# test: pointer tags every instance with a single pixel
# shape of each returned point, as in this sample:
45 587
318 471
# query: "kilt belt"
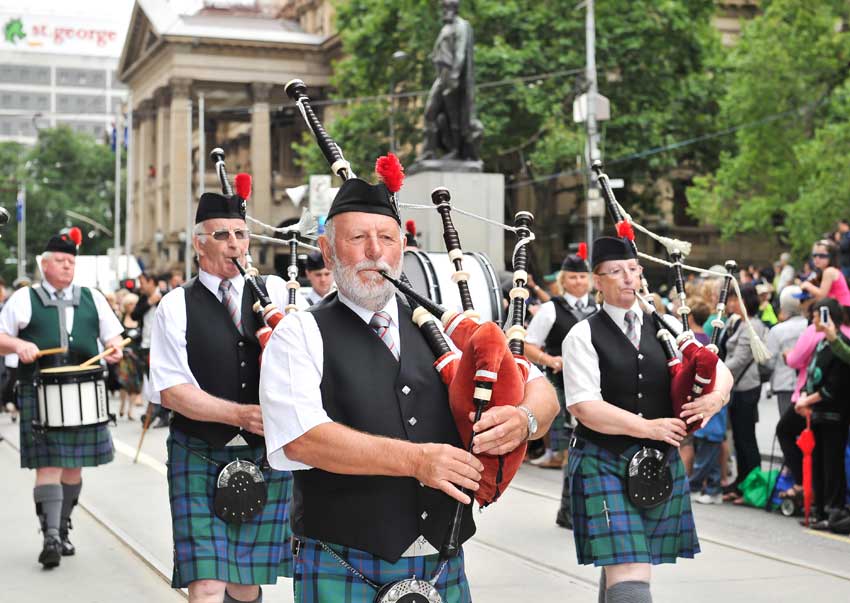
610 530
320 578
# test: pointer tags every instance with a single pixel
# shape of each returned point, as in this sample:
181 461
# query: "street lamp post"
398 55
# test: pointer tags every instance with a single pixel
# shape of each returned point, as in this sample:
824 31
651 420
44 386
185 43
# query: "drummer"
31 321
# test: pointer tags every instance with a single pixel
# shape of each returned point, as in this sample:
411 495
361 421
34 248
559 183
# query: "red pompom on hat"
410 227
582 250
391 172
242 182
65 243
76 235
625 230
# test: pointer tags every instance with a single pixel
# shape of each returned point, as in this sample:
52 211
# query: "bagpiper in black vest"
635 380
565 319
225 362
365 388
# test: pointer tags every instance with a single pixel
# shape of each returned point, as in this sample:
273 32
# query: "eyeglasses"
619 272
823 256
224 234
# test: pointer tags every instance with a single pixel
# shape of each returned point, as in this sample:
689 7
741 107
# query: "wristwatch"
532 421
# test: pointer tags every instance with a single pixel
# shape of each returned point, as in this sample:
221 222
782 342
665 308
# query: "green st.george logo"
14 31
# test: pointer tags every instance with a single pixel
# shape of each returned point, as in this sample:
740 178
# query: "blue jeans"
706 467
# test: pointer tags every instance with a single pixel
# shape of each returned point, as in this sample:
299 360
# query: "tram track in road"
725 543
128 542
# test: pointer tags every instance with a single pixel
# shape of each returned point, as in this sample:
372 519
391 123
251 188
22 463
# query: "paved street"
123 538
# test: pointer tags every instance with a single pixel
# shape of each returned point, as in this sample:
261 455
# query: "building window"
80 78
28 101
25 74
80 103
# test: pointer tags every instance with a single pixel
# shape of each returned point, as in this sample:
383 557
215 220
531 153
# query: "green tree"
63 171
657 62
789 94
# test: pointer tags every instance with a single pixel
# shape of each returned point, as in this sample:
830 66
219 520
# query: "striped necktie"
381 324
229 301
631 332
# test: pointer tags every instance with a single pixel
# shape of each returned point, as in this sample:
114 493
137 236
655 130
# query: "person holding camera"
824 400
827 280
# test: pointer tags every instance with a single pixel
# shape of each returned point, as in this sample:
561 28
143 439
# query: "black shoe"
51 553
68 548
564 521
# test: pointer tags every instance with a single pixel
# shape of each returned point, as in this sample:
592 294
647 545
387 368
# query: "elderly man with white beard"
353 406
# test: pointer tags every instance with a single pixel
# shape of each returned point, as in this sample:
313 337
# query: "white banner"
68 35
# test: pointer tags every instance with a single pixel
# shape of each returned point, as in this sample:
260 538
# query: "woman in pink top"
832 282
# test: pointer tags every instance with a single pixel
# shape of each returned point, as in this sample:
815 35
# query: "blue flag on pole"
19 206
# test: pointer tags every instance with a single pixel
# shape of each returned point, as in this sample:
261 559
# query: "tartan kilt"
319 578
67 448
208 548
657 535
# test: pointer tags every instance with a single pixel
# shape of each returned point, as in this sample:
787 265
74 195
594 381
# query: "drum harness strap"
61 305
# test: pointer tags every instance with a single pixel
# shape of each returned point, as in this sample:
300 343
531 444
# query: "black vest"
365 388
635 380
225 362
565 319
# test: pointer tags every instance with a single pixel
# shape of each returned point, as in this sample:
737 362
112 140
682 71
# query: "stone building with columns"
234 62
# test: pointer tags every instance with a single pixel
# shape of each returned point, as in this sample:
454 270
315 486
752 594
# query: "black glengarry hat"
612 248
576 262
213 205
315 261
358 195
67 242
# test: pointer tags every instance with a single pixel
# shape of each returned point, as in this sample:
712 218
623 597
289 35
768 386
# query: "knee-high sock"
602 586
629 592
48 507
229 599
70 495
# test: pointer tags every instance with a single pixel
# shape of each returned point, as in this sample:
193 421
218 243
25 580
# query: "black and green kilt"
625 533
208 548
66 448
319 578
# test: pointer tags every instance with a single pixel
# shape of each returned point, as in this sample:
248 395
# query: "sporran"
649 481
241 492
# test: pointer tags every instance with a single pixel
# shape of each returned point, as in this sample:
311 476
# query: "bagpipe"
487 368
693 374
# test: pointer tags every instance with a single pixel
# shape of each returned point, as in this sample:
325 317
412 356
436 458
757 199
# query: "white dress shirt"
17 312
582 380
541 323
291 377
169 358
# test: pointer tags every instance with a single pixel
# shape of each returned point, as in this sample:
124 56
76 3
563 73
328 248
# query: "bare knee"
627 572
48 475
72 476
206 591
243 592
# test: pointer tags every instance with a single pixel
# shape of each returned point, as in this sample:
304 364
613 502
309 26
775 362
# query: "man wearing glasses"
205 367
617 386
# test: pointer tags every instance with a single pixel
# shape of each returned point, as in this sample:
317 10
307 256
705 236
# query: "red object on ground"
806 443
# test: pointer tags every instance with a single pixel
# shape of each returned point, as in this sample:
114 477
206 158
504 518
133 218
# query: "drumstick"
148 418
106 352
50 351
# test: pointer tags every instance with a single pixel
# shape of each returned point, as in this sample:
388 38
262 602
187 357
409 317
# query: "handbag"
649 481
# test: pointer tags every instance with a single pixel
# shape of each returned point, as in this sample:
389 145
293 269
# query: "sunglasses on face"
223 234
823 256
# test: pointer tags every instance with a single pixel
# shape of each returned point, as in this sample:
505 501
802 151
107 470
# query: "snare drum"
430 273
71 396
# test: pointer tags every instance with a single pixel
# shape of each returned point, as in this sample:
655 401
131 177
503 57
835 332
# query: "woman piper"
617 386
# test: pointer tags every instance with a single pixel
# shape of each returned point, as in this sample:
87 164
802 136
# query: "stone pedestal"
480 193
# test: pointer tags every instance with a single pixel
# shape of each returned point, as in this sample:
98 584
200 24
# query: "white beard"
373 295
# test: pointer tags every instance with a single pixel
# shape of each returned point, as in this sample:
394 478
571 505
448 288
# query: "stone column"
162 99
261 162
178 186
143 124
